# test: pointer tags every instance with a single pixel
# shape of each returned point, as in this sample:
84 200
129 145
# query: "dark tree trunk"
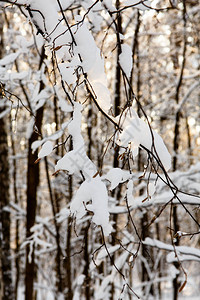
68 259
87 263
134 49
176 142
67 262
6 286
59 282
5 252
145 250
32 185
15 193
117 103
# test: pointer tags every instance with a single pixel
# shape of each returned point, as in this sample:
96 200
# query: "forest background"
99 149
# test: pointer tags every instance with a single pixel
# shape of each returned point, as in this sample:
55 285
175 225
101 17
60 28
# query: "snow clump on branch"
92 189
137 133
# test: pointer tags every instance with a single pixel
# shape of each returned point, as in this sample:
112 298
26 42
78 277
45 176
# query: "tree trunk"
7 292
32 185
176 142
67 262
117 103
17 244
6 286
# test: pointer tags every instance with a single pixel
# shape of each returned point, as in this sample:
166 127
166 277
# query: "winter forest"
99 149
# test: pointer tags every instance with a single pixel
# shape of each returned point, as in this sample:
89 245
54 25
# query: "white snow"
109 5
171 257
73 162
39 99
9 59
80 279
95 191
13 76
84 52
116 176
102 254
62 215
52 137
151 189
184 251
125 59
103 291
136 132
46 149
137 4
173 271
93 65
64 106
30 126
129 192
94 15
68 73
92 189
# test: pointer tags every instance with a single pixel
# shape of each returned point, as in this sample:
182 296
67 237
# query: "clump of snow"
125 59
55 136
46 149
62 215
129 192
103 291
95 191
75 161
109 5
94 14
64 106
102 254
92 189
151 189
68 73
9 59
116 176
136 132
39 99
173 271
30 126
80 279
93 65
13 76
77 51
36 145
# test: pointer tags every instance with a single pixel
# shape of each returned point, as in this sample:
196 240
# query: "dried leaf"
121 156
182 286
55 173
142 176
57 48
37 161
95 175
144 199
